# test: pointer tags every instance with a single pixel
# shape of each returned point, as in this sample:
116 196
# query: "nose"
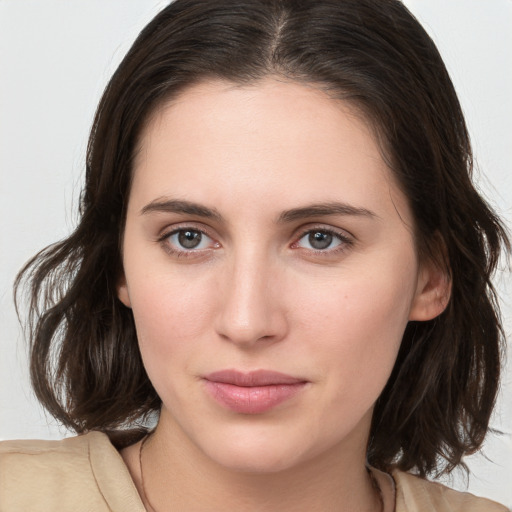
251 303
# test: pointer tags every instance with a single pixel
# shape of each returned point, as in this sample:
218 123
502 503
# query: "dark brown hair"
85 363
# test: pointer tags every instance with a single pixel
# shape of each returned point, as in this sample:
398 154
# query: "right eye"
187 240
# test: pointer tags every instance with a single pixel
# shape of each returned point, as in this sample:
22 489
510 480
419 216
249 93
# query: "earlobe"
122 292
432 292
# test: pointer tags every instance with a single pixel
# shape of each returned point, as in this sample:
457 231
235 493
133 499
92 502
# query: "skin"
256 294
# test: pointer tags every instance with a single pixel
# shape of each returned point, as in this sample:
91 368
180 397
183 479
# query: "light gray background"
55 59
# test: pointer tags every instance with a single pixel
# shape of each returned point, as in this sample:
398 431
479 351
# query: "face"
270 263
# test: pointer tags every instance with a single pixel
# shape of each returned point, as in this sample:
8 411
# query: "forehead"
286 141
225 110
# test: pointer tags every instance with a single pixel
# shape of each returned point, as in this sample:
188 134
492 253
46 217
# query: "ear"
122 291
433 292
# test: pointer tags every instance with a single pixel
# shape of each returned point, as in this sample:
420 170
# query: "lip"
254 392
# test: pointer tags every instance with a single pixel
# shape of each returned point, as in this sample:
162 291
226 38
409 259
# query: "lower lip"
253 399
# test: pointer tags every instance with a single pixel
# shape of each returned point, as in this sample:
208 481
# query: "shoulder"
79 473
414 494
73 446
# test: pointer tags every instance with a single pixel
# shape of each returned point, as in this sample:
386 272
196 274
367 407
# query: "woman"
281 256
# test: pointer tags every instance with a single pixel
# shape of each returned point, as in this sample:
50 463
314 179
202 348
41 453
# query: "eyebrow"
180 206
322 210
312 210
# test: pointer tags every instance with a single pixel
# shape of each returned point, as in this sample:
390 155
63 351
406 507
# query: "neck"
178 476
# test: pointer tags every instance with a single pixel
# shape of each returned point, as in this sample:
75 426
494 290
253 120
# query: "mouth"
254 392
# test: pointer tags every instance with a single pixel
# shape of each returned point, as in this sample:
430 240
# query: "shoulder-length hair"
85 364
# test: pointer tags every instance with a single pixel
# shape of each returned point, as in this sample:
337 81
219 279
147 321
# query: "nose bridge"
250 310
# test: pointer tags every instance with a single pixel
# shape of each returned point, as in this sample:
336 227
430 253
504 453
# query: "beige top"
86 473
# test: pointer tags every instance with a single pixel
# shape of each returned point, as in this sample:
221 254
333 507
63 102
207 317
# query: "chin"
261 452
262 459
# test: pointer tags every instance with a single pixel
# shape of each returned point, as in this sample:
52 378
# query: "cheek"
357 325
171 315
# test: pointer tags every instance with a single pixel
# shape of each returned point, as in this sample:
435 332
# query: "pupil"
189 239
320 240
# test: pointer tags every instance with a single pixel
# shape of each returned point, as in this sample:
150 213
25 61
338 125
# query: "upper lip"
253 378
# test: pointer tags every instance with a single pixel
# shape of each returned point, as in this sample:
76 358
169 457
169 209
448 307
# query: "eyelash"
345 241
164 241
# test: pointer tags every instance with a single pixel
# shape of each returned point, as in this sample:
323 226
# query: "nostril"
262 327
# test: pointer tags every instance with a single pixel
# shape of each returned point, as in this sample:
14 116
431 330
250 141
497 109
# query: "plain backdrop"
55 59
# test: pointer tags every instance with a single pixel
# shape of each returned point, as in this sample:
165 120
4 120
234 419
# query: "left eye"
189 239
320 240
